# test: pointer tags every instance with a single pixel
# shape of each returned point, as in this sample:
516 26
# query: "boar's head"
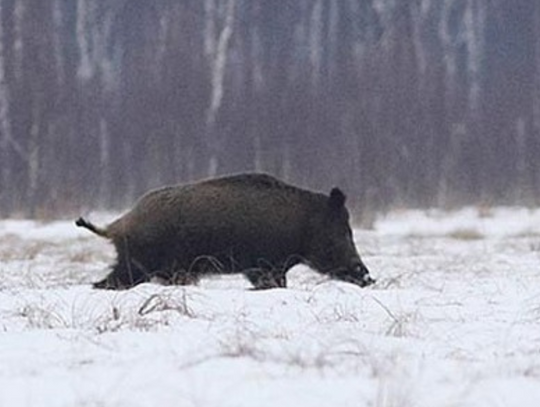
331 248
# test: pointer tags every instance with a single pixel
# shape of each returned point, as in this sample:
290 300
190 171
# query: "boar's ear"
337 199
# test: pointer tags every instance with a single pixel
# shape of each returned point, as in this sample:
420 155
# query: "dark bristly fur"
252 224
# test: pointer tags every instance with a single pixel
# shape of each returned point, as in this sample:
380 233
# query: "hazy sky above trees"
417 103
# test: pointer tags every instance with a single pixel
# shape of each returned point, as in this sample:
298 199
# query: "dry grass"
485 211
13 247
241 344
148 314
151 313
41 317
397 281
401 324
338 313
466 234
167 302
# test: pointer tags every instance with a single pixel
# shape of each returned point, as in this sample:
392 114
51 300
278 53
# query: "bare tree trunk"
18 14
521 160
218 52
420 16
34 161
474 20
536 92
85 69
258 153
449 54
104 163
315 42
57 42
5 128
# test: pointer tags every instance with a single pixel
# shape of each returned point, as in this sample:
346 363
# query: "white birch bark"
474 20
85 69
18 14
450 57
7 142
315 42
34 159
256 60
57 41
163 34
420 16
258 153
333 23
218 61
536 79
536 87
5 126
104 161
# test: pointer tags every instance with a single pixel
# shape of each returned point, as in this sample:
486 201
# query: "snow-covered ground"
454 320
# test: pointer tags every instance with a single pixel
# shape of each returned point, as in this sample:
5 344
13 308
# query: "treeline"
417 103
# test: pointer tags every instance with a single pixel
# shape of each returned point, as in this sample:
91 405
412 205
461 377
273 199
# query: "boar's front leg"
264 278
177 276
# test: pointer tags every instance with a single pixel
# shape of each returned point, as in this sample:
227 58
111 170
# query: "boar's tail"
81 222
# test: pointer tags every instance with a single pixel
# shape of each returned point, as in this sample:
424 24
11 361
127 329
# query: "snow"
454 320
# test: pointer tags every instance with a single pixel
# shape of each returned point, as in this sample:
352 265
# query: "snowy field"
454 320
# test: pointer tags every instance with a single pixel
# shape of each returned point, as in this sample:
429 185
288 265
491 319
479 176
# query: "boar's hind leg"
177 277
263 279
123 276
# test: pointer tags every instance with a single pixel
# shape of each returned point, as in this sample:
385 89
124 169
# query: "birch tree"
536 98
6 137
217 48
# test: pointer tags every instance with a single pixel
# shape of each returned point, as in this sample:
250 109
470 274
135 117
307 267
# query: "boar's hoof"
266 279
111 283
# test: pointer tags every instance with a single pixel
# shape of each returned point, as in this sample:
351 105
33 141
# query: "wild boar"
252 224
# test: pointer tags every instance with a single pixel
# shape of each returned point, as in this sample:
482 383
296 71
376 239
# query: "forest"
417 103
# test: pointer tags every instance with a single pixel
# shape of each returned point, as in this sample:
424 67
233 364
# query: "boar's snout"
357 274
365 279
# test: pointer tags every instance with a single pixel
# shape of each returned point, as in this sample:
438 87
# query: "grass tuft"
466 234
